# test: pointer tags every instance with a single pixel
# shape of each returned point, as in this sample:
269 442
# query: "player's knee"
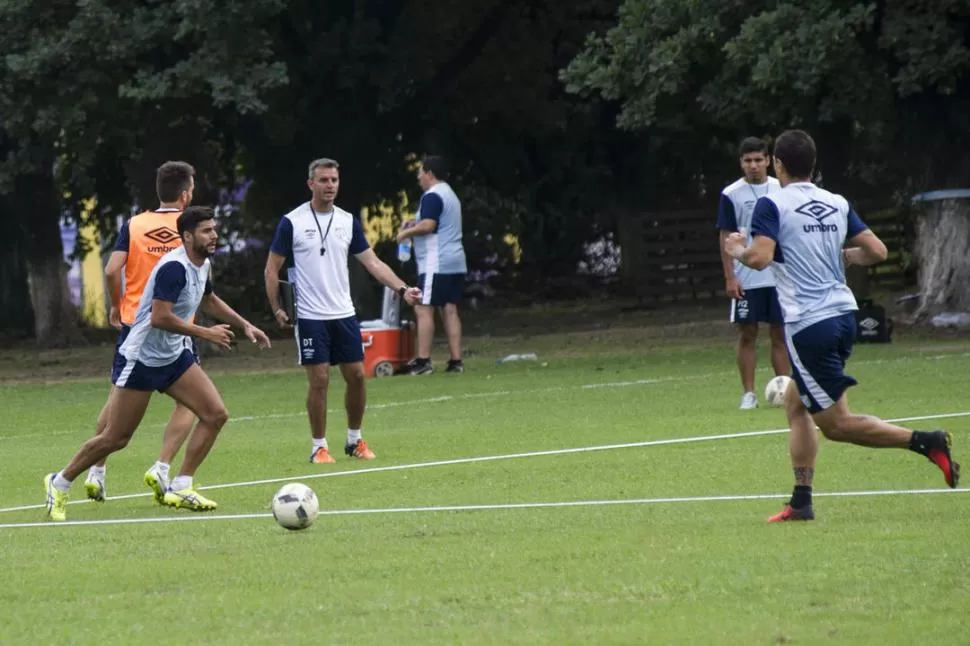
748 336
217 416
319 382
116 442
355 375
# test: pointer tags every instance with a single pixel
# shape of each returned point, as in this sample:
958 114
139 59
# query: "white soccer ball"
295 506
775 390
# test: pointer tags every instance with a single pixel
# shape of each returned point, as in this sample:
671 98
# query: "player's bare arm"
271 277
865 249
758 256
386 276
112 276
422 228
219 309
164 318
731 284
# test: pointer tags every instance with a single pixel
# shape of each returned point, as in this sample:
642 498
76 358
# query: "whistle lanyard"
323 235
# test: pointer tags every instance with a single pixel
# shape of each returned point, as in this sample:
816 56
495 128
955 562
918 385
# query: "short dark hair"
323 162
192 217
752 145
436 165
796 150
172 178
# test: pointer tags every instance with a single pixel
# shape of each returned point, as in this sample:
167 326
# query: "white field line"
491 458
506 506
508 393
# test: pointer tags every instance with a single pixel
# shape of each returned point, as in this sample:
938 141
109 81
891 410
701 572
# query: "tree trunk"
55 317
16 315
942 241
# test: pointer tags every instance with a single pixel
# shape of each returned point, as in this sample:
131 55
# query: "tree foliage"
883 84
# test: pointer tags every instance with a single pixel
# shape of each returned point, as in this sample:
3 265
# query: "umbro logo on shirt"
819 211
310 233
165 237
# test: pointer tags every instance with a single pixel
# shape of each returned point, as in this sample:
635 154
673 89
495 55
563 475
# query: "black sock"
920 442
801 497
422 360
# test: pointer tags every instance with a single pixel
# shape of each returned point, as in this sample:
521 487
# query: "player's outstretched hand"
412 295
221 335
257 336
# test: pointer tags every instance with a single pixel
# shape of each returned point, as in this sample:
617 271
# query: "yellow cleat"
95 489
157 484
188 499
56 500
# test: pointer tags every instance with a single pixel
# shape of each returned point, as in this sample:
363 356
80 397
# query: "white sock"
320 443
97 473
353 436
61 483
181 482
162 468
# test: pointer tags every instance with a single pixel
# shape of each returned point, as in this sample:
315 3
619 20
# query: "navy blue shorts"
818 355
439 290
118 364
759 305
135 375
332 342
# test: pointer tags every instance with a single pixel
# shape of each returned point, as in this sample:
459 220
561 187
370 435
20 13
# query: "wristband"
401 290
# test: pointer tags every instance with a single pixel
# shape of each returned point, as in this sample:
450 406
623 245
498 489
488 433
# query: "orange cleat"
940 456
321 456
359 450
790 513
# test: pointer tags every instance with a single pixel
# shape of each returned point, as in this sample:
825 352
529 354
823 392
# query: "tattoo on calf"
804 476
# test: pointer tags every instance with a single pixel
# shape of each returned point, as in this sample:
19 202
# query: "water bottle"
404 250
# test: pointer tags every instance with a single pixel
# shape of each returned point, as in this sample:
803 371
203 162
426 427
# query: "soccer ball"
295 506
775 390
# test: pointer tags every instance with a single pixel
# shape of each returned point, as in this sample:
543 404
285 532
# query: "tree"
883 86
81 82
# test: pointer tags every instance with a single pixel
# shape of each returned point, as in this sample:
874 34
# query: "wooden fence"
674 256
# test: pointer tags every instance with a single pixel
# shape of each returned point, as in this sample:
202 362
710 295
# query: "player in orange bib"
142 241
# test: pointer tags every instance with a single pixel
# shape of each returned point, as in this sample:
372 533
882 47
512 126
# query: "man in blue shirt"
441 262
801 233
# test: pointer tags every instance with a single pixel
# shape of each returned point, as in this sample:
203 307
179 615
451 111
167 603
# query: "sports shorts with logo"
332 342
818 354
759 305
439 290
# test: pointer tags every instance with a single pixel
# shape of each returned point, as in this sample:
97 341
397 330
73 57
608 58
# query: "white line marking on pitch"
505 506
506 393
492 458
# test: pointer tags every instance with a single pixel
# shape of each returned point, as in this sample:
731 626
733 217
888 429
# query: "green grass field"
662 543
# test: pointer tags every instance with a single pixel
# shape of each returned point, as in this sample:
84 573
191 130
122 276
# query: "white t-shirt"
809 226
175 279
734 212
321 280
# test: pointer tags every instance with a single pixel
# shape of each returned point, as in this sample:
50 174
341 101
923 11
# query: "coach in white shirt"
314 241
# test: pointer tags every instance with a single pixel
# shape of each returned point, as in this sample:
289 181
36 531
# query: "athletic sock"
920 442
162 468
801 497
353 436
181 482
61 483
320 443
